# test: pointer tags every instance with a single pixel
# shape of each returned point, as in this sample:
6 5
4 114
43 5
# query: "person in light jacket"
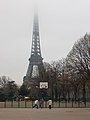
36 104
50 103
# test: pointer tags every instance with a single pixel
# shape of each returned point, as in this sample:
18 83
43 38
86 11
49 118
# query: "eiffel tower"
35 72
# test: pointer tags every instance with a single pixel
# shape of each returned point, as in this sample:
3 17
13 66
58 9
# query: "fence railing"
58 104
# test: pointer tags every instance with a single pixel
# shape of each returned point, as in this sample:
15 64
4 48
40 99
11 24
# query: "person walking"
36 104
50 103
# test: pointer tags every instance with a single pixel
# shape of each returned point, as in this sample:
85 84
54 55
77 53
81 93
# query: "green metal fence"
58 104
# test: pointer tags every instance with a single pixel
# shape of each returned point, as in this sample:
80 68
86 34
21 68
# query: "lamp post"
51 79
52 90
37 91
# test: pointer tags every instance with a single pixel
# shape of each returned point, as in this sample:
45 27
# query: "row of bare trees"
69 78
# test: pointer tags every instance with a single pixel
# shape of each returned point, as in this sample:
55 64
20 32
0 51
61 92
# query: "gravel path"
45 114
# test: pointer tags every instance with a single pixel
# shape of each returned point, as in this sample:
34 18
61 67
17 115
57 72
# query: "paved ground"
45 114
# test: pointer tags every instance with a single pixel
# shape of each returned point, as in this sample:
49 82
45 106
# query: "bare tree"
78 61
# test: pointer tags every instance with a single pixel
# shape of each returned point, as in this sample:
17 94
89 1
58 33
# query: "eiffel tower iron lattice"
35 72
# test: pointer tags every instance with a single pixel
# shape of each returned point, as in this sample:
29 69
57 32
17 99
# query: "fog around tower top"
61 23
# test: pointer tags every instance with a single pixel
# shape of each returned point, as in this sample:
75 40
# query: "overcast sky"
61 23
